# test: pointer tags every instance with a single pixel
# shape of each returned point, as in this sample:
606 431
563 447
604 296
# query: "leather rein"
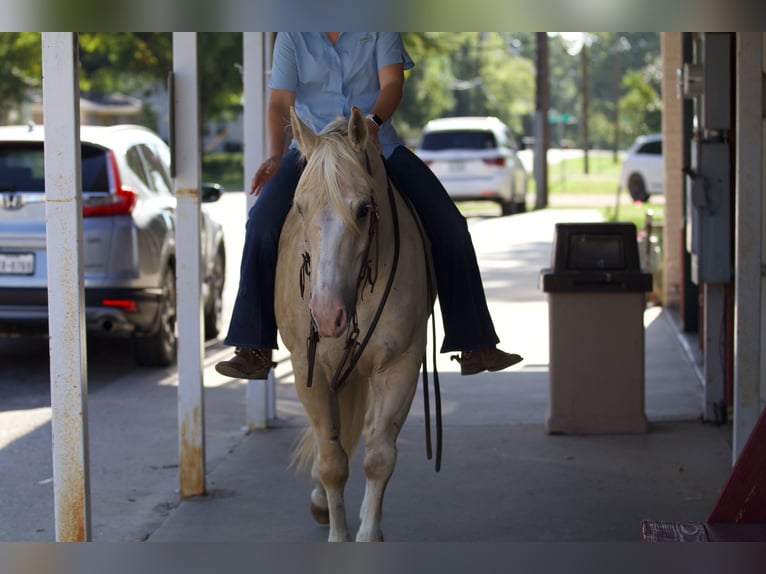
353 349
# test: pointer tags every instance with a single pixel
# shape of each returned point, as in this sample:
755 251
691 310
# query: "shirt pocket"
314 73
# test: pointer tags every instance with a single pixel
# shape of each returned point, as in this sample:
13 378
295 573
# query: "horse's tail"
303 452
352 408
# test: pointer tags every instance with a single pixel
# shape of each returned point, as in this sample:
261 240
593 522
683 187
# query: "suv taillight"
122 202
498 161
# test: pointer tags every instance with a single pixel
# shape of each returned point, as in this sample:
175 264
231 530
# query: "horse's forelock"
333 167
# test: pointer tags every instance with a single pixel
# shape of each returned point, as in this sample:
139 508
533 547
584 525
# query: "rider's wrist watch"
375 118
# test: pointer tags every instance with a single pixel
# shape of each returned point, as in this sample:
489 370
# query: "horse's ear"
357 130
305 138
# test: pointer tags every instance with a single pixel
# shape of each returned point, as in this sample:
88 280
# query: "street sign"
556 118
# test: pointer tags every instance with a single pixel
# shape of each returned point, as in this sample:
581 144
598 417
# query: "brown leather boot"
247 364
489 359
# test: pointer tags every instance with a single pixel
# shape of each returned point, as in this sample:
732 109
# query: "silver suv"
475 158
129 211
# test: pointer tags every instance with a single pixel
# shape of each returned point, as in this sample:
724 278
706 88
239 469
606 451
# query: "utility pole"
477 81
584 114
542 103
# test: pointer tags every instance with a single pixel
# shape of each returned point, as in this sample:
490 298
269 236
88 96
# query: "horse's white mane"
332 168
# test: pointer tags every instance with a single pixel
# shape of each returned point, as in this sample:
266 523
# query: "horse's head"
335 202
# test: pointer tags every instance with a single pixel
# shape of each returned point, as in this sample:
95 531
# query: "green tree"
20 70
135 62
465 73
124 62
508 83
640 107
220 65
427 92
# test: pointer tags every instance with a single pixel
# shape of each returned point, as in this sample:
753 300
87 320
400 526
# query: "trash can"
596 299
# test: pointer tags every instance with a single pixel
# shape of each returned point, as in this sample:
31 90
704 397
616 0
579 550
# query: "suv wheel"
506 207
637 188
214 306
159 349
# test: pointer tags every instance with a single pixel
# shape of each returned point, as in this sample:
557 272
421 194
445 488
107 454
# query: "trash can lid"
595 246
595 257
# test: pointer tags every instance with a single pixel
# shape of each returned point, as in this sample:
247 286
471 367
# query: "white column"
749 241
258 393
66 295
186 131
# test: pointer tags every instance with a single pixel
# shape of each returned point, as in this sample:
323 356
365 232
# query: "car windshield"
466 139
22 168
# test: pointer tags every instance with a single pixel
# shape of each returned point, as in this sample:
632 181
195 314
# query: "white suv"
643 171
128 225
475 158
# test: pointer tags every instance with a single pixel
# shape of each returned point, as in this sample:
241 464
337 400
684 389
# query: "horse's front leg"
391 404
331 465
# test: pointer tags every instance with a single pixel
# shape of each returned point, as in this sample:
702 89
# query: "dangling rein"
367 276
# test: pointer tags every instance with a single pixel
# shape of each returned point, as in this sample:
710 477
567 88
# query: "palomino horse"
351 277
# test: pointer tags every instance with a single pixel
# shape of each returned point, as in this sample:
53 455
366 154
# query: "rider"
322 75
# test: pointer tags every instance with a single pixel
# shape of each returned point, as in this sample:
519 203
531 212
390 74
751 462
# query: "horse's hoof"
321 515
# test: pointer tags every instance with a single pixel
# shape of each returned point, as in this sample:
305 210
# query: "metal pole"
66 302
186 128
254 58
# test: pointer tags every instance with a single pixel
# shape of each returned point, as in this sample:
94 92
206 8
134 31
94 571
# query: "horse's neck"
384 194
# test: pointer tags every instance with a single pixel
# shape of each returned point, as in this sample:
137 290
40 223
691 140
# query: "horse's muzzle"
330 316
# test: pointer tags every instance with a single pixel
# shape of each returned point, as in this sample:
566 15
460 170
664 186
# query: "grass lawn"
596 189
569 177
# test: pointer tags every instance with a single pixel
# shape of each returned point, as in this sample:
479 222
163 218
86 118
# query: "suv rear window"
651 148
466 139
22 168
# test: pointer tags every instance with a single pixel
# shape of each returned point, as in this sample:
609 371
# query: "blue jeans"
467 322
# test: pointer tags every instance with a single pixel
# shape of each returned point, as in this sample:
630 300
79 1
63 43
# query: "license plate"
17 263
456 166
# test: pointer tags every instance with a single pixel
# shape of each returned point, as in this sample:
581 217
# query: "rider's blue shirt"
328 80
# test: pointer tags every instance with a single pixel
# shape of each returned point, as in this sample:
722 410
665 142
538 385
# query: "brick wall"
673 154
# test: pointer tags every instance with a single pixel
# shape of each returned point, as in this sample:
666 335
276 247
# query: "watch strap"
375 118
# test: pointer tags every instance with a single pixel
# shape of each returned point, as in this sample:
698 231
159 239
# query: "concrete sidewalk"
503 479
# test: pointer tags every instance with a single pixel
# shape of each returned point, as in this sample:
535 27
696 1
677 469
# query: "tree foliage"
494 73
134 63
465 73
124 62
455 73
20 70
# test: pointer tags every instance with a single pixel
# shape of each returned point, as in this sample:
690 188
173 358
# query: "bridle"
353 348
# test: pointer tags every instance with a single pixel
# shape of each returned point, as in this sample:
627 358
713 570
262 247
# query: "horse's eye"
299 209
363 210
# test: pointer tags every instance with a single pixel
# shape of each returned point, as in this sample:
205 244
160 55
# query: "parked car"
129 211
475 158
643 171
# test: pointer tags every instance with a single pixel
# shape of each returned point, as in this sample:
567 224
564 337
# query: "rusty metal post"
66 301
187 162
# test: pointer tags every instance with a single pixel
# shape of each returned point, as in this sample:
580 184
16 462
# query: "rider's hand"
265 172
